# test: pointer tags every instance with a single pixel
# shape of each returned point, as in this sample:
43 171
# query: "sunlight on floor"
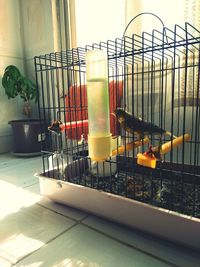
35 264
14 243
14 247
65 262
13 198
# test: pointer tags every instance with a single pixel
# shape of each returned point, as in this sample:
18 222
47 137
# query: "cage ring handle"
145 13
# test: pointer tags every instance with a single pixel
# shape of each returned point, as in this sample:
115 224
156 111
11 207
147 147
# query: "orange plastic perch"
74 124
57 126
148 160
130 146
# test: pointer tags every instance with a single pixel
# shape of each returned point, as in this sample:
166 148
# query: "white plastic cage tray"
163 223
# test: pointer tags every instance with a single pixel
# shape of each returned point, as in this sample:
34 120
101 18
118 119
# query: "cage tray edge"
163 223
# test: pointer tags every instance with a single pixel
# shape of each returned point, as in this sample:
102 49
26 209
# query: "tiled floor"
36 232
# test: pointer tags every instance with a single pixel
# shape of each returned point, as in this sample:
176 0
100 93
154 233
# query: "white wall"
25 31
10 53
37 31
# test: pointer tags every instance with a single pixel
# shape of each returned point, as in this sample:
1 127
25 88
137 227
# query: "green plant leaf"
15 84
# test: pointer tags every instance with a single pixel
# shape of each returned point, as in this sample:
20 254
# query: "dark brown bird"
141 128
132 124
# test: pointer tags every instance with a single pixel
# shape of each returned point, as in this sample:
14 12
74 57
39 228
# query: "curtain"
189 77
191 12
64 36
186 82
64 25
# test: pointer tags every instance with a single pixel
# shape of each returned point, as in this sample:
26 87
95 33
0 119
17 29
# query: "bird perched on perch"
141 128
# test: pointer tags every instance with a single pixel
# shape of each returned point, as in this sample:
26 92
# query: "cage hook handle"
145 13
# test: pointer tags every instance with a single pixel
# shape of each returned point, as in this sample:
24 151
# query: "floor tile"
8 161
4 263
83 247
59 208
160 248
25 226
19 179
28 230
35 188
13 198
75 214
20 172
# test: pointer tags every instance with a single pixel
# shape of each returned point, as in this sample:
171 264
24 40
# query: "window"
98 21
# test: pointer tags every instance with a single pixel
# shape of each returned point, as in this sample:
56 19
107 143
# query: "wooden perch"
130 146
172 144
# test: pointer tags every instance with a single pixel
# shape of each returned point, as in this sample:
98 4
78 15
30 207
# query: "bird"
141 128
56 127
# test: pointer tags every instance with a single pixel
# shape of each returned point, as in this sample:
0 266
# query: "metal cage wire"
154 76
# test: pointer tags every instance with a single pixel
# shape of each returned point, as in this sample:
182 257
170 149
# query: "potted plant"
26 133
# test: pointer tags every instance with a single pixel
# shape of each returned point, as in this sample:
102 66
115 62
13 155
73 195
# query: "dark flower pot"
27 137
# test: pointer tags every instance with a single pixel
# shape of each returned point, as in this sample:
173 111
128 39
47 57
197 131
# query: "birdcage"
154 78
